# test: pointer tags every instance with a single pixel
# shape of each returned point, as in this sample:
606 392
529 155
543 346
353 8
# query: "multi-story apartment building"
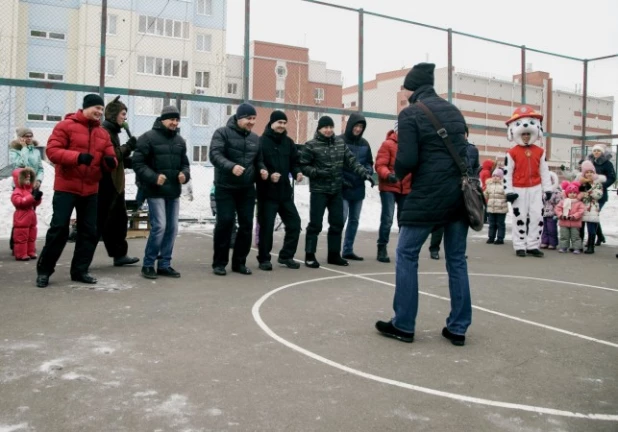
486 101
175 46
286 74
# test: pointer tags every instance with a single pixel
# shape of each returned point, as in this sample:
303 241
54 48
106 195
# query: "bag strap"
445 137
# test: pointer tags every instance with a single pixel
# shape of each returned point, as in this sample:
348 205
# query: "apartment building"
487 101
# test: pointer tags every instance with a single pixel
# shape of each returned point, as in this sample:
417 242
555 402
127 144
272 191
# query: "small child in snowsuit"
570 212
591 191
25 199
549 238
497 207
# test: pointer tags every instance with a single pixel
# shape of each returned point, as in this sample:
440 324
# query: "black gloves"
369 178
392 178
110 161
548 196
132 143
37 194
511 197
84 159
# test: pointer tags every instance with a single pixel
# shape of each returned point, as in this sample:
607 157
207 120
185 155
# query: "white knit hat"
599 147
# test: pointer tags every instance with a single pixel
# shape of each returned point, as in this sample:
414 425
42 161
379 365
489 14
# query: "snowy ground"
198 209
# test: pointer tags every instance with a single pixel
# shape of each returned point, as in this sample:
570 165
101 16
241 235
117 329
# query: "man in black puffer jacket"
235 153
322 160
160 163
275 193
435 200
353 184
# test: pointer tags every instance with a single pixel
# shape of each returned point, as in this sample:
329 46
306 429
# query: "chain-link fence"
207 56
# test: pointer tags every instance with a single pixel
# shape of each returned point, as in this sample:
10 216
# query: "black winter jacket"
353 184
603 166
231 146
161 151
436 196
280 156
322 160
474 166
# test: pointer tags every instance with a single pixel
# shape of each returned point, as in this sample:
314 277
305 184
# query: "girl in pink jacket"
569 212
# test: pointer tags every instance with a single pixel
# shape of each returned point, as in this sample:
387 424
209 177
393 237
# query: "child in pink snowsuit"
25 199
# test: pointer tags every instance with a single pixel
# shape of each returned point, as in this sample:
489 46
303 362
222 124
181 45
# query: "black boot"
600 236
590 244
334 258
310 260
383 254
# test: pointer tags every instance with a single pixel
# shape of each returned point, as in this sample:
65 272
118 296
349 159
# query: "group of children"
571 207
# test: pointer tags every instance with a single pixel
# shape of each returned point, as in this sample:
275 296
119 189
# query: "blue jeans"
389 199
351 213
163 213
405 303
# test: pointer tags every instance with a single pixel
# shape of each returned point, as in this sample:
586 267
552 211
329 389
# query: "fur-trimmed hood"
16 145
19 176
607 156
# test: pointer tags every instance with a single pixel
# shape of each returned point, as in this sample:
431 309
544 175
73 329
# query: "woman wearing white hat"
601 158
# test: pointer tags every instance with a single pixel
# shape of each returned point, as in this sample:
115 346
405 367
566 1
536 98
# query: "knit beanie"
169 112
276 116
92 100
114 108
588 166
245 110
419 75
598 147
498 173
570 188
325 121
23 131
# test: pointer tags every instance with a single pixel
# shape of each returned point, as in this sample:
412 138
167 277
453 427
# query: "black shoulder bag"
471 187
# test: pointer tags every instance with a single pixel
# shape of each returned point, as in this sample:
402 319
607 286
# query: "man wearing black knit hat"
161 164
236 156
80 149
434 202
322 160
112 210
275 193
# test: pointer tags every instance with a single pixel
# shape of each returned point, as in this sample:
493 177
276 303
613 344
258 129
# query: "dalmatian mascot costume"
527 179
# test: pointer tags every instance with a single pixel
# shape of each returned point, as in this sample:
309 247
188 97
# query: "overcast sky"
571 27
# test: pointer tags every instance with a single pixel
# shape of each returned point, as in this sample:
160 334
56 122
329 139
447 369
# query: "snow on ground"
195 205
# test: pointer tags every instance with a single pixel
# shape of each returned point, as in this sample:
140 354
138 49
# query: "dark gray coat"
436 196
231 146
353 184
603 166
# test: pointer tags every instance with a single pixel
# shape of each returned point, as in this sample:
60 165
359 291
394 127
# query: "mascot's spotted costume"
526 178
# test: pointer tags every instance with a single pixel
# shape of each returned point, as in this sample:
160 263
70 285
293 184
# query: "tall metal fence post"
245 87
450 64
584 108
361 58
103 43
523 74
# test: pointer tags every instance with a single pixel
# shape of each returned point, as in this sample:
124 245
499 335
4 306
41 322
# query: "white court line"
458 397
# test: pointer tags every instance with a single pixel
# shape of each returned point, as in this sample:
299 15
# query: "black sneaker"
125 260
242 269
168 271
266 266
335 259
535 253
42 281
499 242
352 256
311 261
219 270
149 272
520 253
490 241
289 263
84 277
434 255
458 340
389 330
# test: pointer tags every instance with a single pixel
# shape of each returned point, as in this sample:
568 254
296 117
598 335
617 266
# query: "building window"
200 116
162 67
111 24
202 79
110 66
281 71
153 106
203 7
44 117
163 27
203 42
47 35
232 88
200 153
318 94
46 76
280 94
229 110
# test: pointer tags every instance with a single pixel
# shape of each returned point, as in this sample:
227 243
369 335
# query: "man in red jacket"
79 148
392 190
